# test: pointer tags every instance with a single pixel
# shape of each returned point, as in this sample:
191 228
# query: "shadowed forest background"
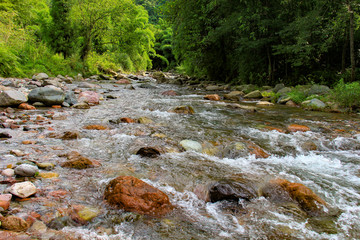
258 42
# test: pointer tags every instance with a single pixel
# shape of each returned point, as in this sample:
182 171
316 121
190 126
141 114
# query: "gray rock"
190 145
214 88
12 98
254 94
70 98
40 76
315 103
81 105
23 189
247 88
47 95
284 91
283 99
278 87
147 85
8 172
88 85
26 170
234 96
52 82
318 90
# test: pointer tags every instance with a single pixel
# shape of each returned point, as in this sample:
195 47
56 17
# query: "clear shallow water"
325 159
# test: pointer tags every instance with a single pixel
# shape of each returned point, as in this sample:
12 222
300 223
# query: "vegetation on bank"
233 42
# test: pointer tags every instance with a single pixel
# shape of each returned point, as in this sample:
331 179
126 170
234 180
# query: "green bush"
297 95
347 94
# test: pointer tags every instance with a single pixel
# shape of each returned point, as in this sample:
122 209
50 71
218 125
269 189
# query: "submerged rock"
234 96
281 190
23 189
5 200
89 97
212 97
170 93
134 195
96 127
148 152
26 106
14 223
254 94
220 191
298 128
76 160
183 110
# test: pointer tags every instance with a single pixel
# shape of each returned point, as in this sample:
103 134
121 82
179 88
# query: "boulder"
190 145
284 91
134 195
70 98
26 170
147 86
318 90
183 110
47 95
89 97
212 97
159 76
96 127
281 190
234 96
214 88
40 76
254 94
11 98
23 189
52 82
220 191
14 223
315 104
278 87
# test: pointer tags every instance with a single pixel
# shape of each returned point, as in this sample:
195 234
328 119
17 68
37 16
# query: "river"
325 159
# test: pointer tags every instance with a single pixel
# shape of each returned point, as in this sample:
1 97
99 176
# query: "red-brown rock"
123 81
127 120
5 200
170 93
134 195
76 160
213 97
96 127
26 106
89 97
281 190
183 110
298 128
257 151
14 223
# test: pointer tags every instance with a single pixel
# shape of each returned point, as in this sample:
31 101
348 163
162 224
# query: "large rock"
47 95
213 97
11 98
14 223
234 96
254 94
134 195
70 98
220 191
40 76
89 97
26 170
159 76
190 145
315 104
281 190
318 90
23 189
278 87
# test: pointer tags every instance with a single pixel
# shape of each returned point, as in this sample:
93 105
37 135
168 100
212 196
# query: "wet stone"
23 189
8 172
5 135
26 170
14 223
148 152
5 200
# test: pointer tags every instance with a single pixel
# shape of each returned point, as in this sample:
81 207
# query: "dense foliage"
71 36
265 41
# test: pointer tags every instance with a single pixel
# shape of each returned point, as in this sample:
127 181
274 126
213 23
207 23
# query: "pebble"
26 170
8 172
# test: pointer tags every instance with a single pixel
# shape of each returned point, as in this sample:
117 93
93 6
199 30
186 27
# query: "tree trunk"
87 47
352 49
345 46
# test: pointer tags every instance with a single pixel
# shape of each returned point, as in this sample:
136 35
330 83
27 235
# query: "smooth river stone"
23 189
189 145
26 170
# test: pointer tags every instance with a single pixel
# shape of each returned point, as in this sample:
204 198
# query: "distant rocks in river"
77 161
134 195
183 110
47 95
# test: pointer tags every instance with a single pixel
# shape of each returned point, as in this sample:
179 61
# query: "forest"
258 42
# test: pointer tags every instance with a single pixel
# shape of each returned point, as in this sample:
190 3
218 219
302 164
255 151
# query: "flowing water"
325 159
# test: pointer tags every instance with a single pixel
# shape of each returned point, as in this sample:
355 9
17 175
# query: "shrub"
347 94
297 95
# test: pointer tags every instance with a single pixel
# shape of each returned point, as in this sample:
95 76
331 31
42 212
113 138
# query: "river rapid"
324 159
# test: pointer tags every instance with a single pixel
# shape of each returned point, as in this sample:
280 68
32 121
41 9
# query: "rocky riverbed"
132 157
